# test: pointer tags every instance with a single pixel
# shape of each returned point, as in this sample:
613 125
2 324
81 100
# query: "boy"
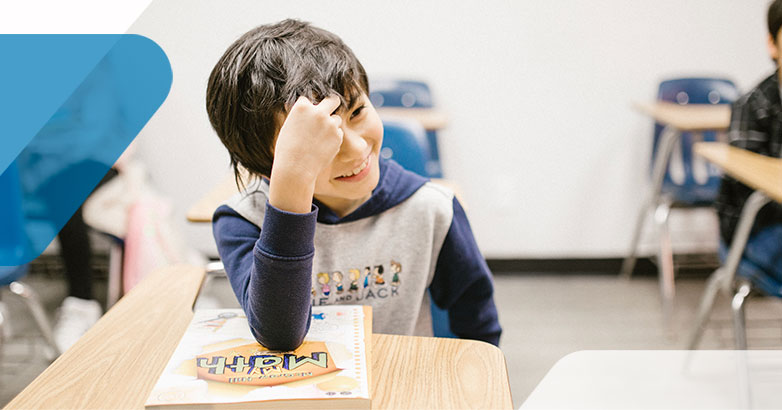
756 125
295 96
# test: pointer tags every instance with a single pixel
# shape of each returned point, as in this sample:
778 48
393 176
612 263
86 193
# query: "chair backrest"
404 141
688 179
409 94
400 93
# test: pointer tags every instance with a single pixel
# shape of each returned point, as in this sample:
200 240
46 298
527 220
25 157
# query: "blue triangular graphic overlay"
74 104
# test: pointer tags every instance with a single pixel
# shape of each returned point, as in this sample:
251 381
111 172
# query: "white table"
662 379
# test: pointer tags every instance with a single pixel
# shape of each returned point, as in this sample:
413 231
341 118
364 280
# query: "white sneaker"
74 318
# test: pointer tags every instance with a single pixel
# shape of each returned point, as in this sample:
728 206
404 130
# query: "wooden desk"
430 119
203 209
692 117
676 119
117 362
754 170
764 174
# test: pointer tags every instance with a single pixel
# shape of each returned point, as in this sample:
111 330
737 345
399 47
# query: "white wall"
542 137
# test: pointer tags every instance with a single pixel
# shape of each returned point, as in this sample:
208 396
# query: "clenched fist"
308 141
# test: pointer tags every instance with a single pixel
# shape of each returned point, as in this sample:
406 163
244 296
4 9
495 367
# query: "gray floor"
544 317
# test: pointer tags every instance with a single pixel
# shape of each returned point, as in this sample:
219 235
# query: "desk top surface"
203 209
757 171
691 117
661 379
430 118
117 362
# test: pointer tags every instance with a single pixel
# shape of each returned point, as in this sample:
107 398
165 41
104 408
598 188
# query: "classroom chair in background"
409 94
689 181
737 277
13 244
404 141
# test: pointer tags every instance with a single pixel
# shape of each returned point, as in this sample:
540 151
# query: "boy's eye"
357 111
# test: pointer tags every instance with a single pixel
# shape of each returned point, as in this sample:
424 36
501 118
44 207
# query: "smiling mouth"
356 170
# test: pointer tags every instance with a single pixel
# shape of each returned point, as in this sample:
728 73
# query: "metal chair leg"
668 138
752 206
737 306
724 276
665 259
713 286
30 297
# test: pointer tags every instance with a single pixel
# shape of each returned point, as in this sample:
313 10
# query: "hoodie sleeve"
463 284
270 271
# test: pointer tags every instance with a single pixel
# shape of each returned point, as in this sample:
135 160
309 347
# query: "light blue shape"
38 73
100 97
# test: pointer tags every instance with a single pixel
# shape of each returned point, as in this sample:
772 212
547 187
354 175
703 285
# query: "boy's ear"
773 49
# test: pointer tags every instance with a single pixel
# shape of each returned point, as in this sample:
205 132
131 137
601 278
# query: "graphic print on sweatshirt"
330 289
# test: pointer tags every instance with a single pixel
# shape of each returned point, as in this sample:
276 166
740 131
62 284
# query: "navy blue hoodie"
410 236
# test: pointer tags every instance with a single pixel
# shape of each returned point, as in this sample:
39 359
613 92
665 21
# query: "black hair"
774 18
263 73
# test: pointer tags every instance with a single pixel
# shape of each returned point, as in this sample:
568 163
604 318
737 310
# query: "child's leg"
764 249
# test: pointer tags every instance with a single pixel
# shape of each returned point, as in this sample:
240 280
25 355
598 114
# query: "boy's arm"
463 284
749 123
270 271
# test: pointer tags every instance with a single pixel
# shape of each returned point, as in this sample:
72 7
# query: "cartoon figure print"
367 274
353 274
379 275
337 278
323 279
396 267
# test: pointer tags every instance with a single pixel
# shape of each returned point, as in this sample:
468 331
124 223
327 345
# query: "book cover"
218 364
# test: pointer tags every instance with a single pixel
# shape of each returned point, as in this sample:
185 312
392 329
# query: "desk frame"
677 119
724 278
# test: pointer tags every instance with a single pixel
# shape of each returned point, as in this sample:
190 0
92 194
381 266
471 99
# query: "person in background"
756 125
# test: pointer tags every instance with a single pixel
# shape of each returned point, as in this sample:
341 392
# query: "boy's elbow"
280 336
281 341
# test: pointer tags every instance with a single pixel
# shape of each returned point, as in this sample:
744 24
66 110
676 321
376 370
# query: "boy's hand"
308 141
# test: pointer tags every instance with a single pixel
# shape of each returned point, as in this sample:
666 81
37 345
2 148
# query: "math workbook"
218 364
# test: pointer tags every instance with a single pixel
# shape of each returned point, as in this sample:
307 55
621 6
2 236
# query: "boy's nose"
353 145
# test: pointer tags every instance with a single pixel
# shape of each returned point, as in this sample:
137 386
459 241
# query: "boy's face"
353 174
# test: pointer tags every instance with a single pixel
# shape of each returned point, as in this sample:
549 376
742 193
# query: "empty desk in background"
764 174
676 119
117 362
430 119
760 172
661 379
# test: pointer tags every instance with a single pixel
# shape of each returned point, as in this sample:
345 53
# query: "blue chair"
404 142
13 241
409 94
688 188
688 181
